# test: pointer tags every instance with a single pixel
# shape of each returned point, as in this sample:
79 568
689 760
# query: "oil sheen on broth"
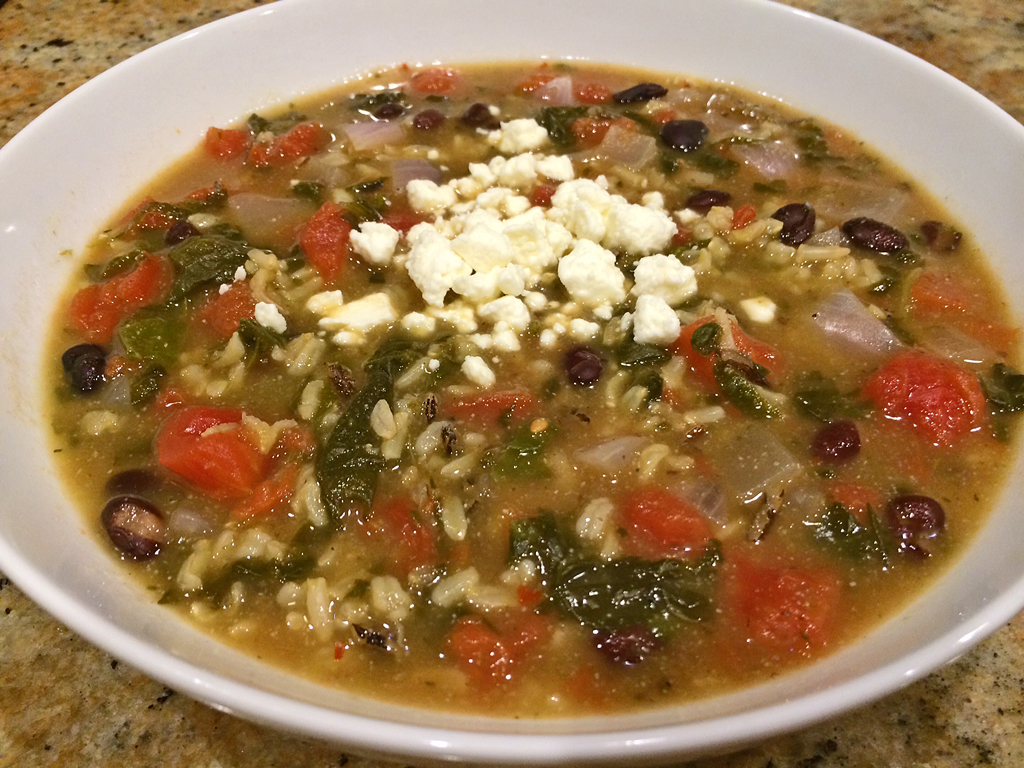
561 388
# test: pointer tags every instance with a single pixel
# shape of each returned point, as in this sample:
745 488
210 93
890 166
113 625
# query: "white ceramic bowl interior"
64 175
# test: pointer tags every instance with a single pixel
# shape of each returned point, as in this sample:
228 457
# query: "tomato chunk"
435 80
490 408
225 143
413 543
591 131
659 524
325 241
220 462
270 496
96 310
222 312
480 652
301 141
704 367
940 400
593 93
785 610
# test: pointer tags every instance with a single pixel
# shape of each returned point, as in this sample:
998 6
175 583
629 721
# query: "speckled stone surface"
62 702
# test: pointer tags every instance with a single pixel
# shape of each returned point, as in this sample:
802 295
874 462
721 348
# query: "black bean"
797 223
639 93
836 442
939 236
180 231
135 526
706 199
389 111
133 482
342 379
479 116
628 647
684 135
874 235
84 366
428 120
915 520
583 365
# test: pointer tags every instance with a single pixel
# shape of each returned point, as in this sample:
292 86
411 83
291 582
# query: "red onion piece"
704 494
373 135
833 237
847 323
264 218
755 459
612 454
631 148
557 92
187 522
773 160
405 170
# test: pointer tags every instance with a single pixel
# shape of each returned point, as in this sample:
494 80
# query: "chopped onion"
406 169
557 92
373 135
755 459
773 160
849 324
263 218
955 345
704 494
831 237
612 454
188 522
630 148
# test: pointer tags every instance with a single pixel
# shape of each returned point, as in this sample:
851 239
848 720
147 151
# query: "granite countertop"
62 702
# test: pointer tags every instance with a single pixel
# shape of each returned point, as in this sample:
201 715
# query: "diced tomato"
220 462
204 193
147 216
591 131
222 312
743 216
784 610
855 497
435 80
480 653
529 597
704 367
532 82
663 116
542 195
269 497
412 542
489 408
682 236
593 93
402 219
96 310
301 141
325 241
298 440
659 524
339 651
940 400
225 143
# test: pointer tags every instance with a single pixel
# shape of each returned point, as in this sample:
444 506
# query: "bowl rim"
368 734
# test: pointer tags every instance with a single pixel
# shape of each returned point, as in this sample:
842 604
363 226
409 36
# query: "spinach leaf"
313 191
558 123
743 393
205 259
841 531
258 339
631 592
1004 389
523 457
630 354
540 540
711 162
276 125
116 266
155 338
367 103
265 576
819 399
811 139
146 384
348 466
706 340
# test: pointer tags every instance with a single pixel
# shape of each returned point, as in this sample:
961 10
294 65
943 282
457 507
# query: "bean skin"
915 520
640 93
389 111
133 482
479 116
875 235
179 232
627 647
428 120
583 366
684 135
837 442
797 223
84 366
135 527
706 199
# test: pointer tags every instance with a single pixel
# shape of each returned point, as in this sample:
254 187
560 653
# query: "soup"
534 390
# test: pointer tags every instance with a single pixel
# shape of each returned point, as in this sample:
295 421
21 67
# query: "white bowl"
65 174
